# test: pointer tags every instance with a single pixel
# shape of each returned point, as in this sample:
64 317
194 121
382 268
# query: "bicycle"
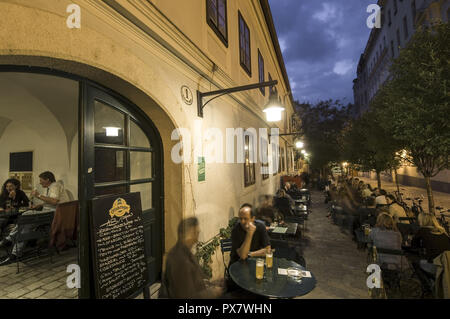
416 207
442 219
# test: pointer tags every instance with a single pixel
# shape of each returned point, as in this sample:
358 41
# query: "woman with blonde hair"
385 221
431 236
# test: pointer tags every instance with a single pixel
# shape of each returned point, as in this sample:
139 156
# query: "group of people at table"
13 199
430 240
183 277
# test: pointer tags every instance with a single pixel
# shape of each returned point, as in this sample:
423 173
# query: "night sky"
321 43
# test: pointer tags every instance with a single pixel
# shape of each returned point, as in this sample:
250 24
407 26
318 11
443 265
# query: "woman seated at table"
11 197
386 235
54 194
267 214
283 203
431 237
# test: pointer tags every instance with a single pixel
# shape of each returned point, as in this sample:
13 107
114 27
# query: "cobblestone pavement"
440 199
332 257
38 278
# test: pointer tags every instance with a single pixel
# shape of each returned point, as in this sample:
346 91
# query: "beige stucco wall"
110 50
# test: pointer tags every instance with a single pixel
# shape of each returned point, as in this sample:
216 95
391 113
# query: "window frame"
249 179
261 73
265 176
247 69
215 28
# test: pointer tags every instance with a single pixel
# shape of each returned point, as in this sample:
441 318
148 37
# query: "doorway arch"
127 97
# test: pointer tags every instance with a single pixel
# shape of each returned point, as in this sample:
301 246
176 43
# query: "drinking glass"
259 268
269 259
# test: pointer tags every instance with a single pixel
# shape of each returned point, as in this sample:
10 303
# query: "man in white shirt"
395 210
53 194
366 192
381 198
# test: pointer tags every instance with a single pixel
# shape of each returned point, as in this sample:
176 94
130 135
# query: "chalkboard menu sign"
120 267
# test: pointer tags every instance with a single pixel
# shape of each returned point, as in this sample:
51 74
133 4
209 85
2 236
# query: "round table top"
272 285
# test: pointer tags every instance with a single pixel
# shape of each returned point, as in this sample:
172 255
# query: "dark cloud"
321 42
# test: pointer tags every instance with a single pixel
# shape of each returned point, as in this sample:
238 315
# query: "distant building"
399 20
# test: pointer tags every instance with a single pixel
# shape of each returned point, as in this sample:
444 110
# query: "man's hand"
35 193
251 228
12 194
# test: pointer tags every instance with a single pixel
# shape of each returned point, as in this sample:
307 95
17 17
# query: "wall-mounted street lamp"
272 109
299 144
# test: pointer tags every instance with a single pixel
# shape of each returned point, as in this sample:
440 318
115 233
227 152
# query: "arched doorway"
132 161
128 159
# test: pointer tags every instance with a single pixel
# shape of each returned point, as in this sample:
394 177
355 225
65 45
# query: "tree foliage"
414 104
367 144
322 124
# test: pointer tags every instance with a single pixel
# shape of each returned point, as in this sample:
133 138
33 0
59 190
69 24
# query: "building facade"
135 66
399 20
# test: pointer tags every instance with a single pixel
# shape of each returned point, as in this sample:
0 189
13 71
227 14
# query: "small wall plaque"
186 94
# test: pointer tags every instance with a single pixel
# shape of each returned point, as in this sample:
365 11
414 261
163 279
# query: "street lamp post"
273 108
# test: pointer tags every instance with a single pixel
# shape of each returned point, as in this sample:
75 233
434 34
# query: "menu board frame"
101 206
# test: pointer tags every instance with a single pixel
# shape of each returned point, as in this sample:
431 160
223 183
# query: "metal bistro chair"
40 224
407 230
225 246
391 270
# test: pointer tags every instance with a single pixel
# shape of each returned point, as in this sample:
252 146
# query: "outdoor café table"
273 285
14 212
278 230
11 212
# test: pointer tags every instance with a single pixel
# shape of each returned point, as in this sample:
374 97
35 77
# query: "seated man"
249 239
183 277
380 199
395 210
53 195
366 192
54 192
